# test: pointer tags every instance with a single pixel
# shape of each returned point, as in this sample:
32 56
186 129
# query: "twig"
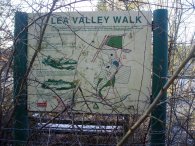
156 100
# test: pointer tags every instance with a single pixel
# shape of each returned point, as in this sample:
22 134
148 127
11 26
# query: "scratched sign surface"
97 62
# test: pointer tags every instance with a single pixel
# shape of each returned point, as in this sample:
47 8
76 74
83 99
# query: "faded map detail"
123 75
93 62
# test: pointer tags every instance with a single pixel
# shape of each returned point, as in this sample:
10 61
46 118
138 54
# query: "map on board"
97 62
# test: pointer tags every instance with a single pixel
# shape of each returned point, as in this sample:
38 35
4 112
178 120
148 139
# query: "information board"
92 62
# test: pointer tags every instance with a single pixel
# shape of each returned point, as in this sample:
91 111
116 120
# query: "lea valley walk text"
95 20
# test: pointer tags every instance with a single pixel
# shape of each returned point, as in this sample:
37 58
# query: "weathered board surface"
97 62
